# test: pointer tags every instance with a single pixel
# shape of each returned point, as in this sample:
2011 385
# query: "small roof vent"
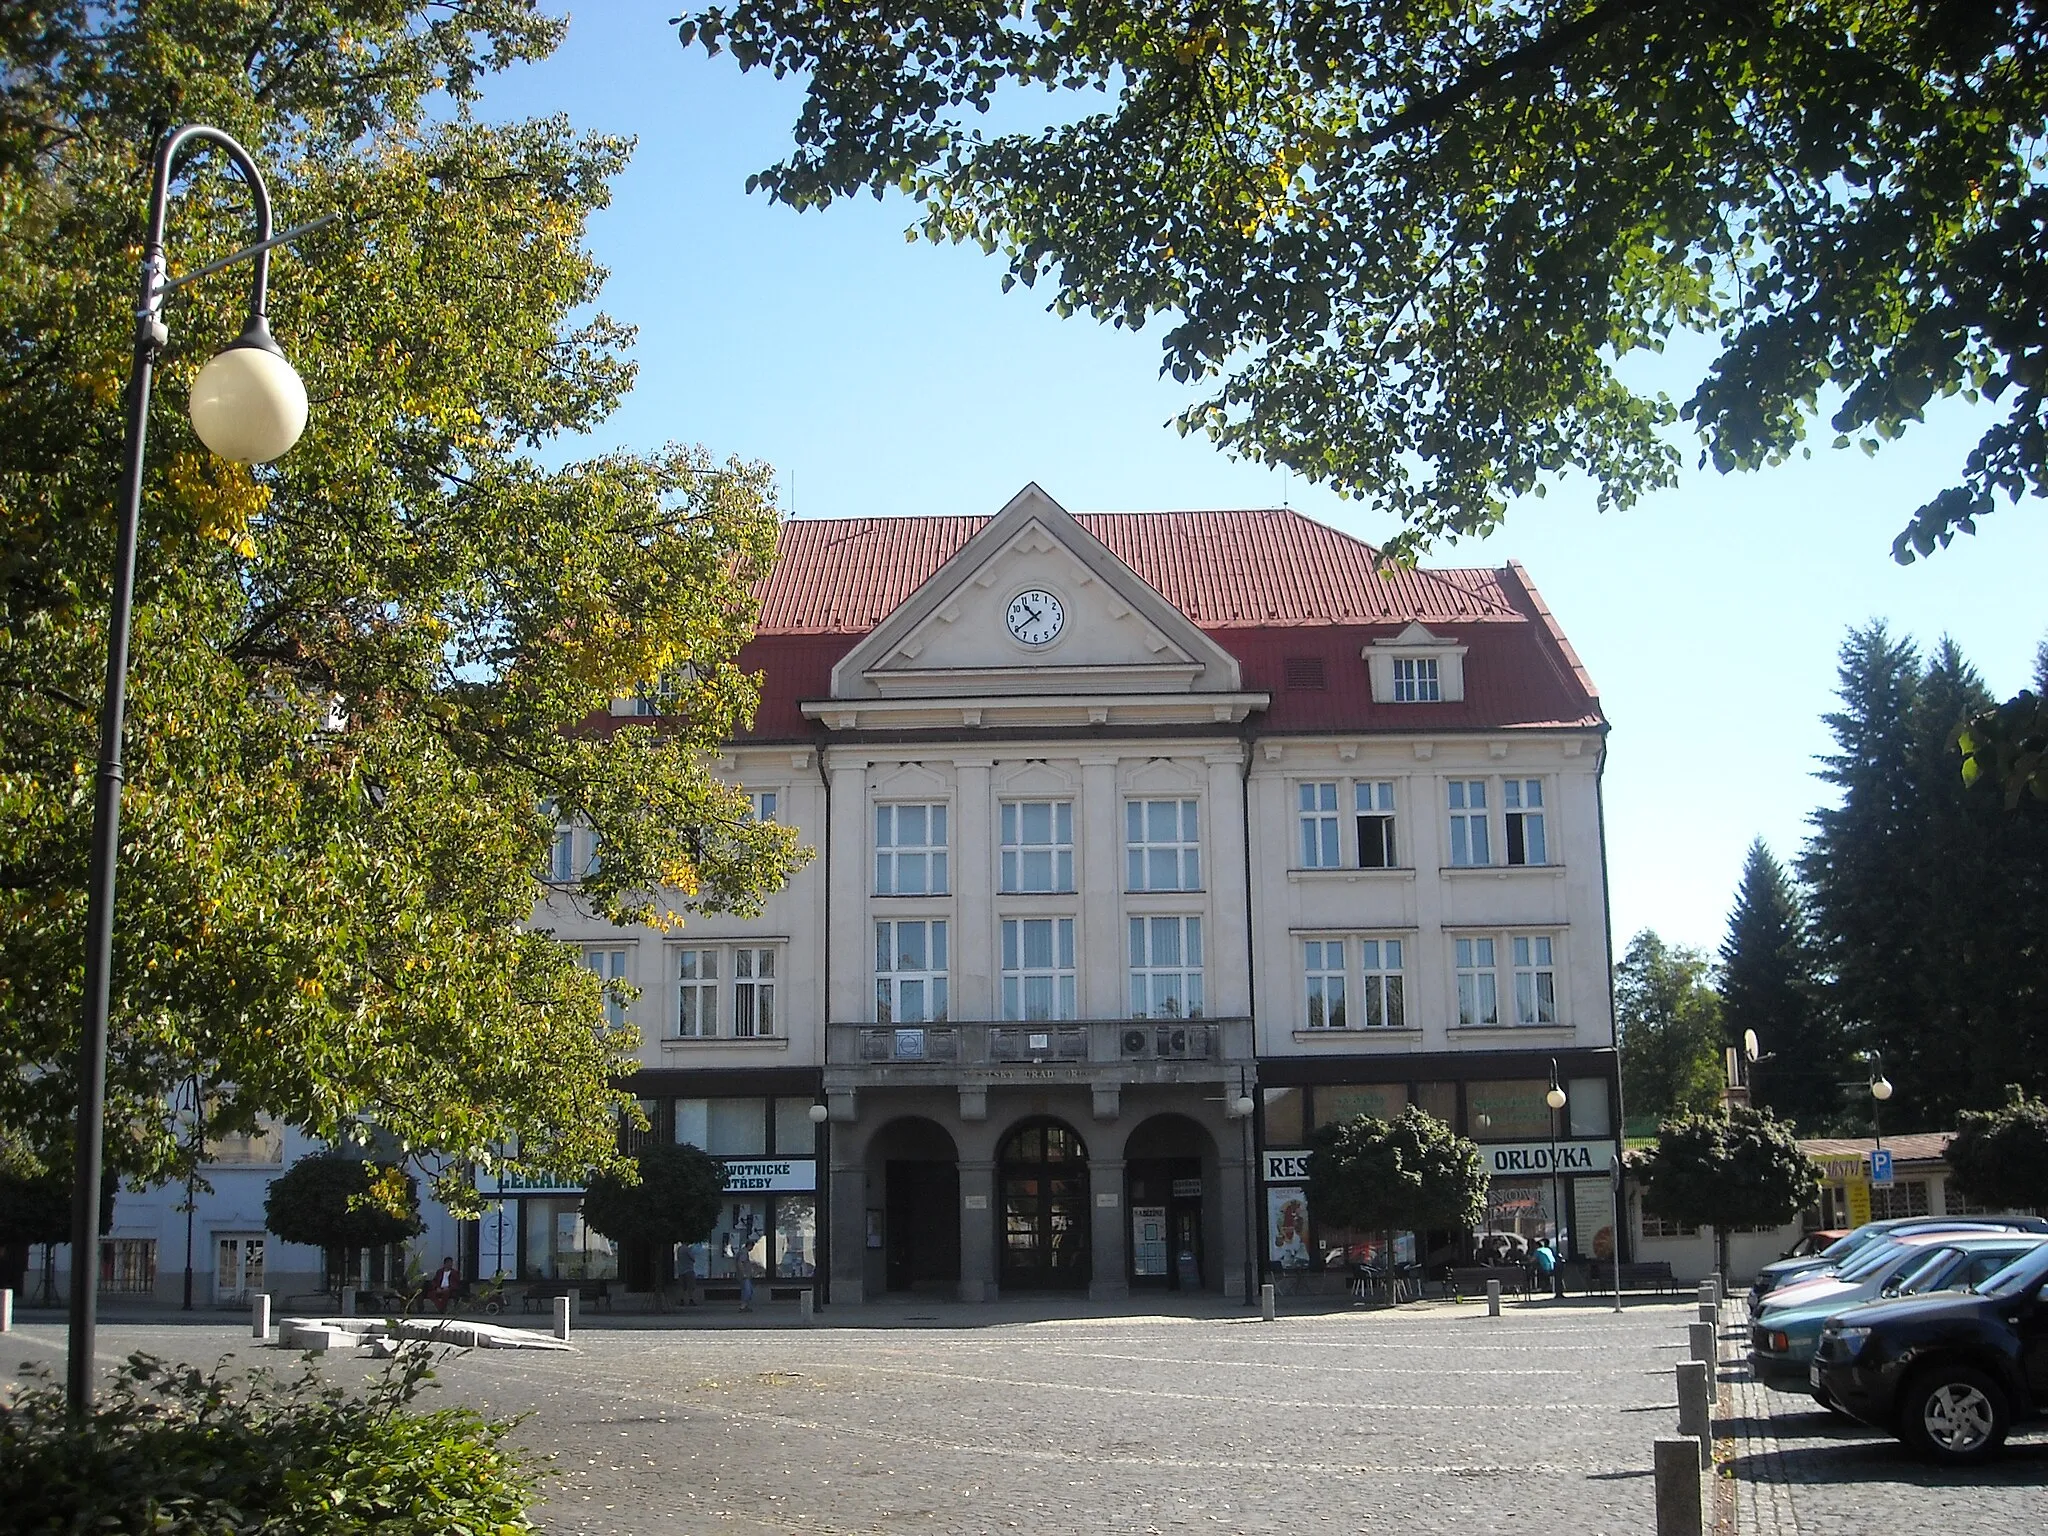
1305 672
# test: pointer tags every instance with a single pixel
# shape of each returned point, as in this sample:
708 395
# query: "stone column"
1099 831
849 949
1226 960
978 1231
1109 1233
1234 1173
975 950
849 1236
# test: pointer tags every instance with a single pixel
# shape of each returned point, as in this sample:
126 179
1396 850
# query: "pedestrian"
1544 1262
743 1236
447 1280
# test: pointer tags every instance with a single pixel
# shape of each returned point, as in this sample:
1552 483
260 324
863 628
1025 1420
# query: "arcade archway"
1042 1177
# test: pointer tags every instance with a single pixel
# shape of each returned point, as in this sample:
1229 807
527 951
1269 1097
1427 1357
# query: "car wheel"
1953 1414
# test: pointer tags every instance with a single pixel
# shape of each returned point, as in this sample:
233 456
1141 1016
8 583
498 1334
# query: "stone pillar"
977 1231
1099 938
1108 1233
976 952
1226 970
847 1282
849 946
1231 1244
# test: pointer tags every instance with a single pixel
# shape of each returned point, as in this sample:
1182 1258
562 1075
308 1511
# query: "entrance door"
1166 1212
1043 1171
237 1267
921 1225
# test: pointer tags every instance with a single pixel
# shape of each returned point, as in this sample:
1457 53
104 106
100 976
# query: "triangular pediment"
982 625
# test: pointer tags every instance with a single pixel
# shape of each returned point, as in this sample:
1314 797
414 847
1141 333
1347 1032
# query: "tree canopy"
361 677
674 1197
1999 1157
1668 1022
339 1200
1409 1174
1408 249
1739 1169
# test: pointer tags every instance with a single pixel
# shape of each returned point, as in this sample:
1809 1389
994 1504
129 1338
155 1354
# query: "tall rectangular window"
562 854
1379 963
1375 803
910 972
1323 969
609 965
1469 843
1415 680
1318 813
1038 845
1535 980
910 850
1162 846
1038 968
696 993
1166 967
1478 984
1523 803
753 993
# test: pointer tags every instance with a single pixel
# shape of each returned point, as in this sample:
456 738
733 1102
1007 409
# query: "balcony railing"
1081 1043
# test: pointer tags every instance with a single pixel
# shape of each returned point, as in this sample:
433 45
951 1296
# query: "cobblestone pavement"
1433 1418
1800 1471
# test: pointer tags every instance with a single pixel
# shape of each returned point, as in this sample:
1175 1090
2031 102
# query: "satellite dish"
1749 1046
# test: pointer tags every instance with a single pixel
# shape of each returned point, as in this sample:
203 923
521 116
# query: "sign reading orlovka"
1507 1160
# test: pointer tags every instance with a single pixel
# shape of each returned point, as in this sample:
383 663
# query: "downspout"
822 1148
1621 1225
1254 1125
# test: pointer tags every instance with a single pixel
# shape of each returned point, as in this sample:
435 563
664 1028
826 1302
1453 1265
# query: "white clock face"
1036 617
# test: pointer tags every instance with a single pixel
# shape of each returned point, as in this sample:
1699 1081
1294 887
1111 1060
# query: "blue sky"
880 376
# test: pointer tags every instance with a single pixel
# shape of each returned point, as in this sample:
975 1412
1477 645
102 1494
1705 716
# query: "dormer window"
1415 680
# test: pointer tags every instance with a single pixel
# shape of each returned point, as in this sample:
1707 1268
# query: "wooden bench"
1643 1276
1470 1279
588 1293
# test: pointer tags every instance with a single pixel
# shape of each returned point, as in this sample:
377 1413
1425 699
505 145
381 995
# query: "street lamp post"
1880 1090
247 404
1555 1099
821 1257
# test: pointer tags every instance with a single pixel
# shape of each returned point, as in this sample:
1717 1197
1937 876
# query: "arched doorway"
1042 1171
1170 1170
920 1206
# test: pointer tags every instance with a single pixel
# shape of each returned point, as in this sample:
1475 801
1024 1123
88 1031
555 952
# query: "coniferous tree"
1766 979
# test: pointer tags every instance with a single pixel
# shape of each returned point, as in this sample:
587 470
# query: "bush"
171 1451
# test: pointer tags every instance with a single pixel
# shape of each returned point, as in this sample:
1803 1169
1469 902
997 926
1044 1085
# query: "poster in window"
1148 1241
1287 1227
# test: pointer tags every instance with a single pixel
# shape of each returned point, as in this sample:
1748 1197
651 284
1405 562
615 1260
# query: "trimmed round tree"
675 1199
1999 1157
1739 1169
1410 1174
334 1202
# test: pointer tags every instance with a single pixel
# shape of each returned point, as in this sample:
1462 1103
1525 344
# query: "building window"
1318 826
1469 845
910 973
127 1266
1375 803
1478 984
1166 967
609 965
1038 845
1523 799
697 993
1535 981
261 1147
1038 968
562 854
1379 962
1162 846
910 850
753 993
1415 680
761 804
665 694
1657 1226
1323 966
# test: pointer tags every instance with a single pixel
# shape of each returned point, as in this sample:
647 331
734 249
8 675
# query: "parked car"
1879 1258
1783 1337
1796 1264
1947 1373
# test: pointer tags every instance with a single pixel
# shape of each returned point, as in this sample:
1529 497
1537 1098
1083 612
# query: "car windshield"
1870 1262
1842 1247
1928 1273
2026 1270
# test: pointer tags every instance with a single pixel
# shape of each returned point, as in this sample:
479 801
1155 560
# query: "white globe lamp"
248 404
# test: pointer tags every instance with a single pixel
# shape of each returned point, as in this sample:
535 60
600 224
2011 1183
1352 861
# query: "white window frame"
762 803
1470 823
699 987
1382 987
893 976
891 852
1374 801
562 854
1321 840
1019 975
1057 850
1165 965
754 977
1524 813
1324 986
1476 961
1144 854
1534 959
610 965
1416 680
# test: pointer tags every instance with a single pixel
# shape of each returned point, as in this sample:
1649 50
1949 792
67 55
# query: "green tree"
1999 1158
674 1198
1739 1169
1409 1174
1408 249
1767 986
1669 1022
336 1202
361 676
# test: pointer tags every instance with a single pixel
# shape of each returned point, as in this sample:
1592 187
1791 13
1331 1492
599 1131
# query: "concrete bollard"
1710 1293
6 1310
1493 1298
1267 1302
348 1301
1681 1501
259 1317
1709 1313
1696 1408
804 1307
1702 1337
562 1317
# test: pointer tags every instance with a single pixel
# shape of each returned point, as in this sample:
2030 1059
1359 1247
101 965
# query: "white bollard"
562 1318
1710 1294
6 1310
1681 1507
348 1300
804 1306
1695 1408
1709 1313
1701 1336
1493 1298
1267 1303
259 1317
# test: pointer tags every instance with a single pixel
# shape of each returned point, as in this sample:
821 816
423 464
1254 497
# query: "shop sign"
770 1174
533 1182
1839 1170
1286 1167
1521 1159
1187 1189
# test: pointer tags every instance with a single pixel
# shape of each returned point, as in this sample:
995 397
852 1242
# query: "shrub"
171 1451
